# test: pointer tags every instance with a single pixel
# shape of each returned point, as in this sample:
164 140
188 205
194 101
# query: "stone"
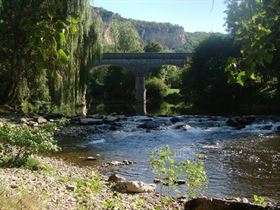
157 181
175 119
240 122
90 121
116 178
23 120
182 126
90 158
116 163
41 120
13 186
110 119
150 125
135 187
70 187
127 162
54 116
266 127
218 204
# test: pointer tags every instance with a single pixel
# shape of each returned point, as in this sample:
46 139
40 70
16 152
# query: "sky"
193 15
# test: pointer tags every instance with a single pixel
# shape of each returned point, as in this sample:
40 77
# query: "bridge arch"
140 64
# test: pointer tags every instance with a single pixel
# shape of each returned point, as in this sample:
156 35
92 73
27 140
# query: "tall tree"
255 25
45 49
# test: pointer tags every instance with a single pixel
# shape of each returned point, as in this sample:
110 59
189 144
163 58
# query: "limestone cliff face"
169 35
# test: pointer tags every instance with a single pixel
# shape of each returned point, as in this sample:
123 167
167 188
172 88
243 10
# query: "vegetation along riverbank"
65 64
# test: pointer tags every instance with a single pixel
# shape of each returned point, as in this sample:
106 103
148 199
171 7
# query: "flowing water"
239 163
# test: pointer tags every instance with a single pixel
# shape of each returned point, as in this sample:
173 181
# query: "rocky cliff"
168 35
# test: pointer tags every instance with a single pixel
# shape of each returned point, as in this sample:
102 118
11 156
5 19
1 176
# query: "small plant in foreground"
138 202
86 189
168 171
17 144
260 200
195 177
164 167
113 204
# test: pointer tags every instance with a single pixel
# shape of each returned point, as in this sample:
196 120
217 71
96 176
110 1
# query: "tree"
255 25
204 83
126 37
42 57
153 47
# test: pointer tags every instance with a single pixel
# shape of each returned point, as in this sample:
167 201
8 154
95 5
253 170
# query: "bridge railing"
145 55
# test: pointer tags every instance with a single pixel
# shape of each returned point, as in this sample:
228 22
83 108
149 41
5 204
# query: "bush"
17 144
156 89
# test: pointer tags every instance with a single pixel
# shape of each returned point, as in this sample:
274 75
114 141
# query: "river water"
239 163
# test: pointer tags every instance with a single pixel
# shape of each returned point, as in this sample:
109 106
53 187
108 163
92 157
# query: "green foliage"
254 24
114 203
260 200
156 89
126 38
163 165
31 164
41 64
153 47
86 189
196 178
168 171
138 202
17 144
204 83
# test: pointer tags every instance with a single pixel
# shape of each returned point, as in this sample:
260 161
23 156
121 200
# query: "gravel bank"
55 186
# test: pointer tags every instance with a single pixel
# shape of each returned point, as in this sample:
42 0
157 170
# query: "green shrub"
259 200
17 144
168 171
156 89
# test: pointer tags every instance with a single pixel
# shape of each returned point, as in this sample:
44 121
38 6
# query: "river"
239 162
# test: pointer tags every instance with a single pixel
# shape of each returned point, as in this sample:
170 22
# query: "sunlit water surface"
239 163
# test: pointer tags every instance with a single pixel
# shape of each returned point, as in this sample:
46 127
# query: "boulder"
266 127
240 122
54 116
116 178
90 121
110 119
217 204
135 187
116 163
175 119
150 125
41 120
182 126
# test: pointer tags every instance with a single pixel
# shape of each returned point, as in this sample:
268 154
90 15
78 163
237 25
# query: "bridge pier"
140 94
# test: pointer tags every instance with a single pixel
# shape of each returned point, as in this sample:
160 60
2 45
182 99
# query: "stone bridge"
140 64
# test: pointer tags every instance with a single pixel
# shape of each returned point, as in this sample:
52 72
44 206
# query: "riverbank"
57 184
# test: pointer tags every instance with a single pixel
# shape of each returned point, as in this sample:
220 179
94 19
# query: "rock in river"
150 125
240 122
90 121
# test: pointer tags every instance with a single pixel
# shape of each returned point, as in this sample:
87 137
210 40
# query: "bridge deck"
106 56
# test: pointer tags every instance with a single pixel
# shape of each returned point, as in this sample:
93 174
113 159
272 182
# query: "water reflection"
131 109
